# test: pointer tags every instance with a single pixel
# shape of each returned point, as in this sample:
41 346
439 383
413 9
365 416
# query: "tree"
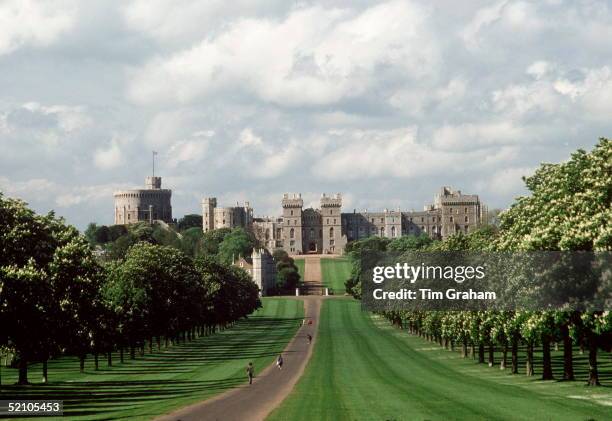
154 292
212 239
235 244
190 221
569 208
48 283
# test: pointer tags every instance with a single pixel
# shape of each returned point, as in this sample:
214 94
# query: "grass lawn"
168 379
300 265
364 369
335 272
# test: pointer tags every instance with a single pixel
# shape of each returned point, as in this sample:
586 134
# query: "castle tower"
149 204
292 223
208 213
331 208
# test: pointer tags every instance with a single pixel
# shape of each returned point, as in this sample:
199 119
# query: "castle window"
382 232
422 219
320 233
451 219
466 211
467 219
392 231
331 232
331 242
292 233
292 213
334 221
312 233
382 219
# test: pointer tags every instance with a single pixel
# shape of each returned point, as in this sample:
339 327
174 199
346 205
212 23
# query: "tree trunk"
96 365
568 364
452 344
23 371
502 364
82 363
464 349
132 352
593 374
514 352
529 367
547 373
45 376
473 351
109 358
158 343
481 354
151 345
491 355
121 354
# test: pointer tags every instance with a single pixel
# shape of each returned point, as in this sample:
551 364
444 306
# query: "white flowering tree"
569 208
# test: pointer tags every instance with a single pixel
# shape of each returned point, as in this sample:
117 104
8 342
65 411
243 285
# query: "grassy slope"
335 272
162 381
364 369
300 265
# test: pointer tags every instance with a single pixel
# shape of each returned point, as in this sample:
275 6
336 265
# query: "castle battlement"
331 201
292 201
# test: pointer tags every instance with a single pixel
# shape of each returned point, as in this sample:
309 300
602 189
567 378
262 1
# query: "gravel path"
270 387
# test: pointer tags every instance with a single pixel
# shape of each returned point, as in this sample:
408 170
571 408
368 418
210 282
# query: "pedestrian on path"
309 338
250 372
279 362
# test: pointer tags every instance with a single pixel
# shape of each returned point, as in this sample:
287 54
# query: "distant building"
149 204
214 217
262 269
327 229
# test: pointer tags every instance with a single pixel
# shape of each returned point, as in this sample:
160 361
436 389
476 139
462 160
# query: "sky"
384 102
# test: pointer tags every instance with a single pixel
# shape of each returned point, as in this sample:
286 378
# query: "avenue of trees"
57 298
569 208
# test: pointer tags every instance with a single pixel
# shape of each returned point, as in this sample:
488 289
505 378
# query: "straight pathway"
313 279
269 388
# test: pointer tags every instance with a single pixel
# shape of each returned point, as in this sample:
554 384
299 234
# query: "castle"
327 230
149 204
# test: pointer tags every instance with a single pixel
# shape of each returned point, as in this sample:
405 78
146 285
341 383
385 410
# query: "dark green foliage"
190 221
235 244
287 273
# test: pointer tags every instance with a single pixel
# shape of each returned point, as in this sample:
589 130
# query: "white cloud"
313 56
474 136
248 138
360 154
69 118
36 23
191 150
593 92
539 69
507 181
109 157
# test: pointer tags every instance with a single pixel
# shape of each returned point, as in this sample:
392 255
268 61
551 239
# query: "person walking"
309 338
250 372
279 362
